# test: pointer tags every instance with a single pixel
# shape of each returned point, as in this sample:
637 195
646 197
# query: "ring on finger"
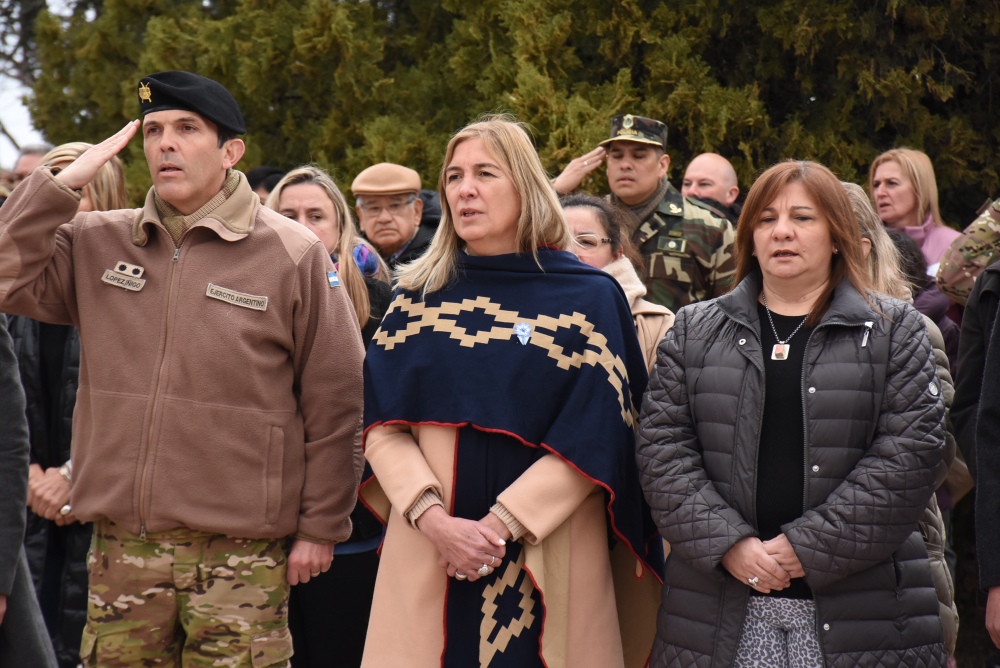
484 570
65 510
493 559
753 581
586 162
460 576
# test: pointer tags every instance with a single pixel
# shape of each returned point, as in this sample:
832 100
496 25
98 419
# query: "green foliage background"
349 83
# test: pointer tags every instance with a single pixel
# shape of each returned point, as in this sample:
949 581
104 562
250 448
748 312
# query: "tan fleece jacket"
220 381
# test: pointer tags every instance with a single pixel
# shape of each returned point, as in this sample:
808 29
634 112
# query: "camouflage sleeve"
969 254
723 269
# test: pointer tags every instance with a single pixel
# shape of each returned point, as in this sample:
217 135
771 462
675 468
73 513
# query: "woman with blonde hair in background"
499 412
309 195
49 362
902 185
328 615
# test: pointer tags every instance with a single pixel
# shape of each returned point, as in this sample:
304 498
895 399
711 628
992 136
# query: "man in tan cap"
389 209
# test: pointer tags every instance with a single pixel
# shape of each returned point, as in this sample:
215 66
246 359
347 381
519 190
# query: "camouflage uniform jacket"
688 252
971 252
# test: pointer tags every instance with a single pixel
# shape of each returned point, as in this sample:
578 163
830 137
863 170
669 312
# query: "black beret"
191 92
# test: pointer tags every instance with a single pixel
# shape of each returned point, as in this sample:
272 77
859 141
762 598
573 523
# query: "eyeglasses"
589 242
394 209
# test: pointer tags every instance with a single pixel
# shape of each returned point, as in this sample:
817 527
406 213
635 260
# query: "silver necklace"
780 350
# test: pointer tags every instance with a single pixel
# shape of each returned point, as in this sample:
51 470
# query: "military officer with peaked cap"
220 387
687 248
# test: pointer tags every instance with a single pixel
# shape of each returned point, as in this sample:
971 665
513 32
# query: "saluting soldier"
220 387
687 247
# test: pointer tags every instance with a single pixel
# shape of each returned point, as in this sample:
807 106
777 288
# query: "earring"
835 251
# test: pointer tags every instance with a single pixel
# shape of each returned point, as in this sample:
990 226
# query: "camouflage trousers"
185 598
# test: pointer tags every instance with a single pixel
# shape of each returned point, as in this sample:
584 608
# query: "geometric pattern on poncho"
441 319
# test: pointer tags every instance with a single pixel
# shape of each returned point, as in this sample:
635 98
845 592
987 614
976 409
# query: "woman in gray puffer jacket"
789 442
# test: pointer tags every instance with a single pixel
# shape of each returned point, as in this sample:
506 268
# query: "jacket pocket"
273 475
678 267
271 649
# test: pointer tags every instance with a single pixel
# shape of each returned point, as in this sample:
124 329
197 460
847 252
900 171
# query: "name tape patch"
255 302
676 246
112 277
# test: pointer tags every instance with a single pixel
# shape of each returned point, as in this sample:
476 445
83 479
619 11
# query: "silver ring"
493 559
586 162
65 510
753 582
460 576
483 571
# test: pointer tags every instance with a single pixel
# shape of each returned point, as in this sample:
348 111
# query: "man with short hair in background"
389 208
216 427
712 179
28 158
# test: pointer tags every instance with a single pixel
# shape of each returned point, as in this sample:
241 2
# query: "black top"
984 428
781 456
52 340
413 249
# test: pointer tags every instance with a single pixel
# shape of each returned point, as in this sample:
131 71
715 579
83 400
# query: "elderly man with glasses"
389 211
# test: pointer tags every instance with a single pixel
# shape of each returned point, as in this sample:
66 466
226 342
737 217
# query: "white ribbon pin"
523 332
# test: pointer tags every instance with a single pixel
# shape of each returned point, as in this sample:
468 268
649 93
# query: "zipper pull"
142 532
868 330
177 254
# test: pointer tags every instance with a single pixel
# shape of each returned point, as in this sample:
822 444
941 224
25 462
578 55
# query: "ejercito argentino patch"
255 302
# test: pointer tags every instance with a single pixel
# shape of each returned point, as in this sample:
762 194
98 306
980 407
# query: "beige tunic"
565 552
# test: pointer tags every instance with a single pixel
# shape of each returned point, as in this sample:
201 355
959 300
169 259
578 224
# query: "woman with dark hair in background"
263 180
596 227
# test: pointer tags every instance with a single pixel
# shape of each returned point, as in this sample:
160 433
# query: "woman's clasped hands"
465 546
764 565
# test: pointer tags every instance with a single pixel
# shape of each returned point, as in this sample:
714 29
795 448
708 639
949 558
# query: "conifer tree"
349 83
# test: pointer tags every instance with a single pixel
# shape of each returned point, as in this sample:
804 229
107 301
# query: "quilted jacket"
875 442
